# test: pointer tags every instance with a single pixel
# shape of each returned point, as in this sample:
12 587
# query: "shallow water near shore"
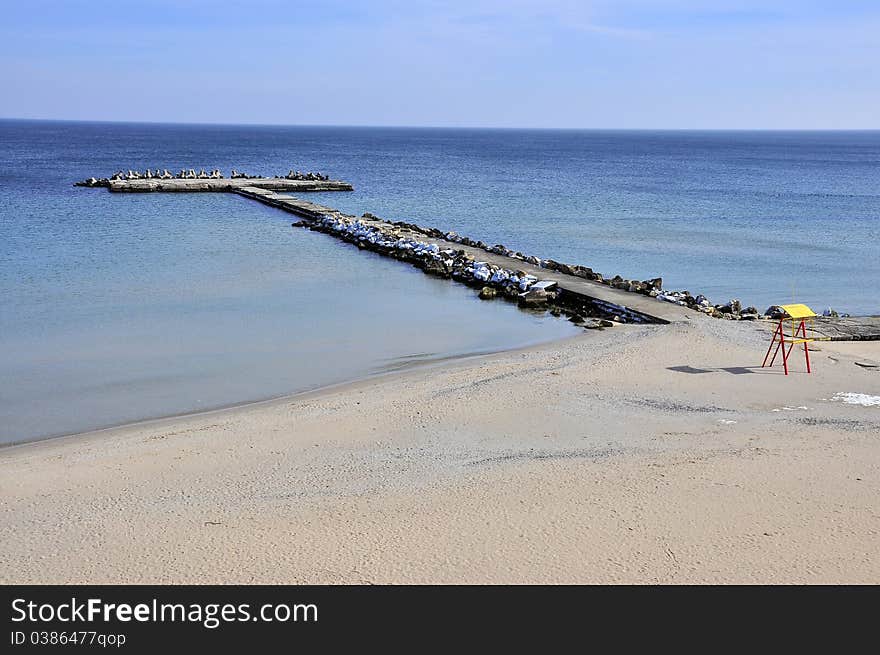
226 303
122 307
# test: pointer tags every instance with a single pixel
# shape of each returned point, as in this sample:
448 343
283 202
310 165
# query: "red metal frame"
779 340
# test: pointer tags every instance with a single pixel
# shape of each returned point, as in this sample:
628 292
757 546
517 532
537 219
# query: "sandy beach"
659 454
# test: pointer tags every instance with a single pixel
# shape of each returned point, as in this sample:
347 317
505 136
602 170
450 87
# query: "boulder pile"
732 310
448 263
299 175
492 281
94 182
397 240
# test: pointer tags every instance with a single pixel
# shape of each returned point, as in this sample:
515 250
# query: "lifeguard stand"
797 316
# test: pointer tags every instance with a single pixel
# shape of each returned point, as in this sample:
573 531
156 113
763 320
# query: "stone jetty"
588 298
533 283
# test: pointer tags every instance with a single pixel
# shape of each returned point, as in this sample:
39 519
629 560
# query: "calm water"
115 308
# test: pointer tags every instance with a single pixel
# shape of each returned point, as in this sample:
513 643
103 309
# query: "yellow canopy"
798 311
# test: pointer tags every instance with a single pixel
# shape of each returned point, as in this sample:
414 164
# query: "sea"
116 308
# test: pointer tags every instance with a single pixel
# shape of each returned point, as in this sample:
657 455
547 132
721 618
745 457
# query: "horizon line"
447 127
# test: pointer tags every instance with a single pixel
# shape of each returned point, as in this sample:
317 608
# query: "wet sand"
636 454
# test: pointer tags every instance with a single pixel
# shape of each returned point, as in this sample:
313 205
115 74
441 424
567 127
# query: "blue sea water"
115 307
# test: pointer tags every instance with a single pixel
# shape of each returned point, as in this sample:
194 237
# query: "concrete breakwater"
570 289
531 282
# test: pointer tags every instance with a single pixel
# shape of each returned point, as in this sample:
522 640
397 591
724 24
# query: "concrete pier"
847 328
607 300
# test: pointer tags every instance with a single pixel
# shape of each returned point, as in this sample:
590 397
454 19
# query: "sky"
719 64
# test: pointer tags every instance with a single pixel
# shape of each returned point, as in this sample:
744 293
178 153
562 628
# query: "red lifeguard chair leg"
785 352
776 332
806 348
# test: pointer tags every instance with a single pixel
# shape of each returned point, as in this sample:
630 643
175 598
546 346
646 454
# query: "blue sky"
505 63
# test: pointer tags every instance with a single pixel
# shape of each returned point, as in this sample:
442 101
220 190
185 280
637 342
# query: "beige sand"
656 454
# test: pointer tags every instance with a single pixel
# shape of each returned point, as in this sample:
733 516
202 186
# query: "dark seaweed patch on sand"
671 406
841 423
541 455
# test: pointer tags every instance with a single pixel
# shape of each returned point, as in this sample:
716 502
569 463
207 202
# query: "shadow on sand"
734 370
